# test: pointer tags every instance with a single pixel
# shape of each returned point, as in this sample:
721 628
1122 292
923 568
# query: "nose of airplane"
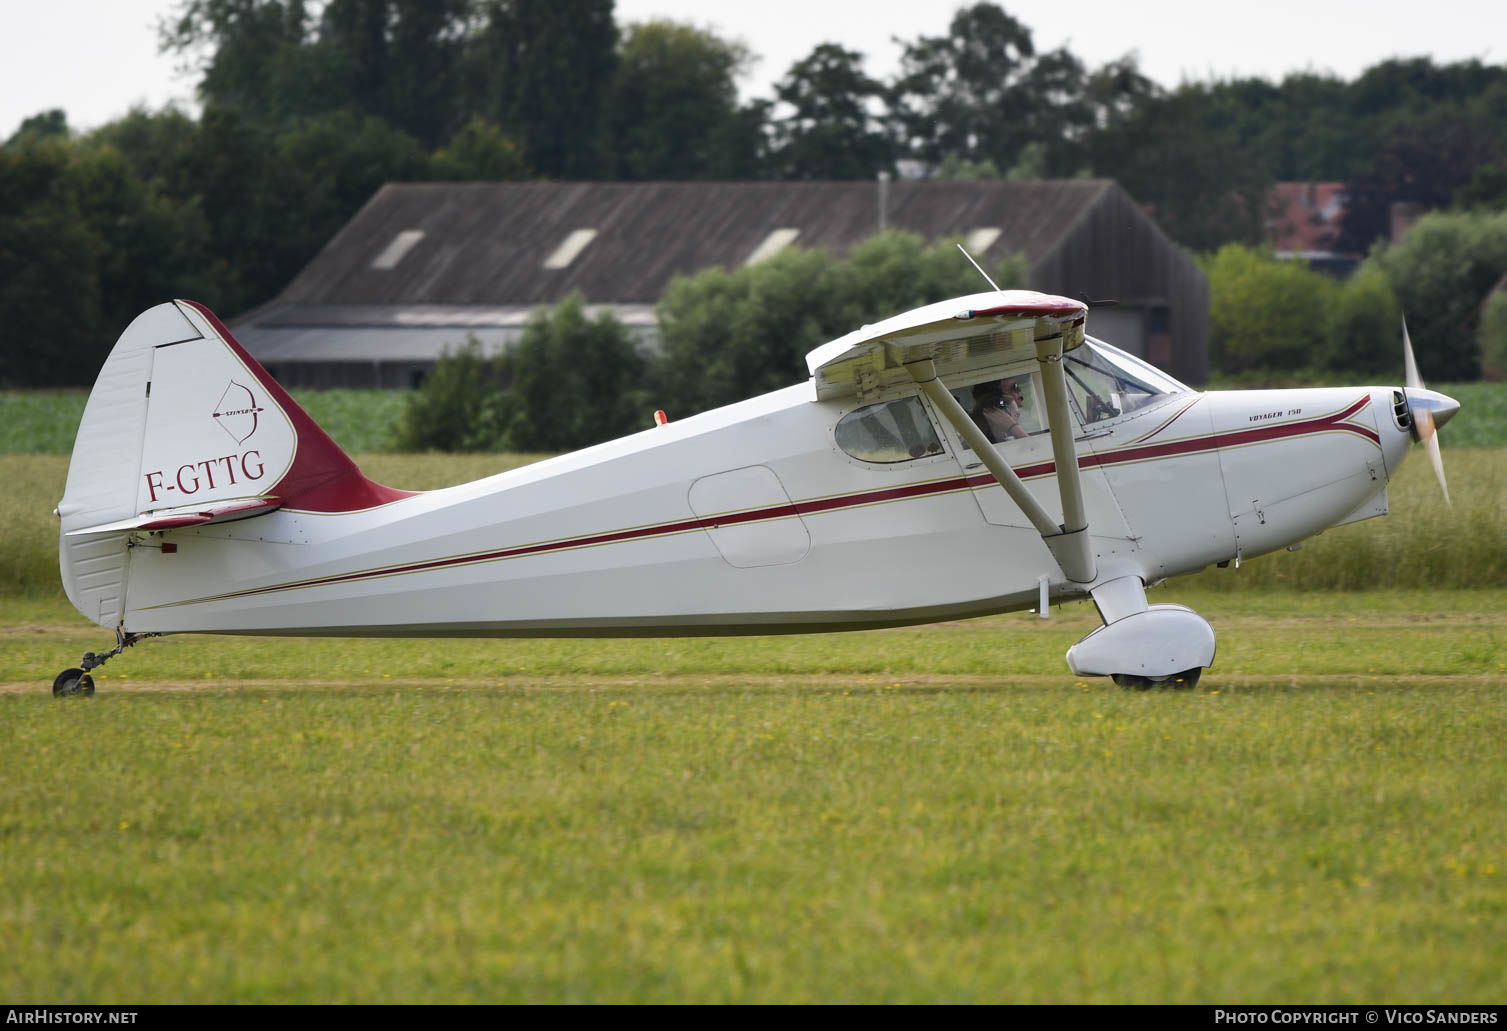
1441 408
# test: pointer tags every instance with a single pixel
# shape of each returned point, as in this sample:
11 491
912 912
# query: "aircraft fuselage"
752 519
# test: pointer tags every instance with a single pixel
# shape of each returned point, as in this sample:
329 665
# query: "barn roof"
423 266
533 243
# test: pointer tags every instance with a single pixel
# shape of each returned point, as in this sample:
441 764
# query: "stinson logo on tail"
236 412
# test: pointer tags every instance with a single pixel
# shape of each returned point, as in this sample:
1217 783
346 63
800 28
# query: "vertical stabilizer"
181 419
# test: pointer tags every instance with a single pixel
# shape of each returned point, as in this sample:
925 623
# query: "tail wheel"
73 683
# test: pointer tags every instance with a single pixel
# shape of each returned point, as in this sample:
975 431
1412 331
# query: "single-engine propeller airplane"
978 455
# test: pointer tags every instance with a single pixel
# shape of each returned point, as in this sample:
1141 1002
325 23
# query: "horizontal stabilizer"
186 515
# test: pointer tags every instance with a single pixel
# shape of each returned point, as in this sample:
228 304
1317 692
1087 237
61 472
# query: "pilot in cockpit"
996 409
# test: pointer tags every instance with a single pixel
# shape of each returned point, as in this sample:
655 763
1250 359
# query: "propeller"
1429 410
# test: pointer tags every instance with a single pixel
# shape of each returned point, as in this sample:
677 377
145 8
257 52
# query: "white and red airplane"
979 455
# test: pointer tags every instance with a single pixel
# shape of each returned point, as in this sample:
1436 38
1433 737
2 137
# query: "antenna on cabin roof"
980 268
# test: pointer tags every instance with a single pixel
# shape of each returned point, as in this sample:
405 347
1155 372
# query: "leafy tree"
397 60
233 166
327 167
1174 157
570 382
85 246
149 248
675 112
479 152
543 70
726 336
276 61
957 169
1493 337
1364 325
51 124
459 406
159 145
831 129
254 55
1116 91
1424 164
575 382
984 93
895 271
1486 191
1441 272
1265 313
50 331
729 336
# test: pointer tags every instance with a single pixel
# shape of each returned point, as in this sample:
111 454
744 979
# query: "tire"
73 683
1187 680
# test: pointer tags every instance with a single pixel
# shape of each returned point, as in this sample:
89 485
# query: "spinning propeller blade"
1429 408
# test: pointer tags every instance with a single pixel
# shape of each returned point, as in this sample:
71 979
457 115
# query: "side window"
1005 408
892 431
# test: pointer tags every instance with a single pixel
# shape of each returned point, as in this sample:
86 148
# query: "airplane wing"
187 515
958 335
953 337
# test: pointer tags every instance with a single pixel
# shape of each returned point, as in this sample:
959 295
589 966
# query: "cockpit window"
891 431
1005 408
1106 383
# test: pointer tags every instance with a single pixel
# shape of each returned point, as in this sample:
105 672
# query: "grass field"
930 814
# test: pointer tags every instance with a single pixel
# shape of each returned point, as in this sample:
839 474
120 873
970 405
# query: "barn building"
423 266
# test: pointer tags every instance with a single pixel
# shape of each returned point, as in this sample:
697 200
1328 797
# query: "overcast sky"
96 58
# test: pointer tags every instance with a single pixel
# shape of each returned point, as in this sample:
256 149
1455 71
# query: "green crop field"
43 422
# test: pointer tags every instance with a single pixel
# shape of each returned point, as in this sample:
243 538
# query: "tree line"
309 106
1272 321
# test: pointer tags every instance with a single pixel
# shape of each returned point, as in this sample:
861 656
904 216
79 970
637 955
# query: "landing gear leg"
77 683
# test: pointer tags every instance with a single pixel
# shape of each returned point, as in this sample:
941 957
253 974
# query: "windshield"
1105 382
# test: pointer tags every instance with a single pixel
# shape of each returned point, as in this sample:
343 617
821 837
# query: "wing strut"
1069 483
1069 548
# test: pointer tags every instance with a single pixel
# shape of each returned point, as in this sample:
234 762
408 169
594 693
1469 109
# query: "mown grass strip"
742 842
1263 634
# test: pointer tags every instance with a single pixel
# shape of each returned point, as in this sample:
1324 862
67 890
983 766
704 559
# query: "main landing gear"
77 683
1142 646
1184 681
